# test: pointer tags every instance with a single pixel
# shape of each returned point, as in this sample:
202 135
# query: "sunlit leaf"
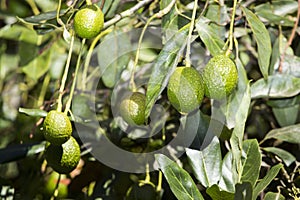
251 161
263 41
166 62
274 196
288 134
33 112
227 181
286 156
169 21
272 173
212 41
277 86
181 183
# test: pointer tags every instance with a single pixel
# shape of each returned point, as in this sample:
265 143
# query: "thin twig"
126 13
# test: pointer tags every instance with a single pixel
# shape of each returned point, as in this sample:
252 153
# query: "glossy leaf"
286 156
251 161
288 134
169 21
230 107
181 184
243 191
263 41
206 164
113 56
272 173
277 86
215 193
274 196
212 41
43 16
33 112
165 64
227 181
238 131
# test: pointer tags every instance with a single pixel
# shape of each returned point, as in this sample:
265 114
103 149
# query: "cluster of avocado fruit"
186 89
62 151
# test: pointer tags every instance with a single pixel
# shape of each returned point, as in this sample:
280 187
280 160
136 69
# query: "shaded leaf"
243 191
166 62
251 161
215 193
44 16
286 116
113 56
288 134
286 156
277 86
263 41
212 41
33 112
18 33
272 173
37 67
13 153
227 181
206 164
181 184
169 21
274 196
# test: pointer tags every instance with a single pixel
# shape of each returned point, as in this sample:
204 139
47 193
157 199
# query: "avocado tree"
149 99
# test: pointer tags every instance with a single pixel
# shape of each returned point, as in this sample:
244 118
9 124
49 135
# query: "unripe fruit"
88 21
220 77
57 127
132 109
64 158
185 89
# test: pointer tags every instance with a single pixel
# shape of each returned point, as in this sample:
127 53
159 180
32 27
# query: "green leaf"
274 196
181 184
215 193
243 191
288 134
251 161
113 56
212 41
44 16
283 103
286 156
166 62
227 181
286 116
275 19
266 180
238 131
263 41
206 164
33 112
218 14
169 21
230 107
18 33
36 68
277 86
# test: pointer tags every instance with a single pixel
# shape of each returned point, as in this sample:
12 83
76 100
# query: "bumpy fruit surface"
57 127
64 158
88 21
132 109
185 89
220 77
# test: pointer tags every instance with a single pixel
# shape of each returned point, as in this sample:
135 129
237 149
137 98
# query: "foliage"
245 146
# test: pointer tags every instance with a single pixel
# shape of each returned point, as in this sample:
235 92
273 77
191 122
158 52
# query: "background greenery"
255 157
